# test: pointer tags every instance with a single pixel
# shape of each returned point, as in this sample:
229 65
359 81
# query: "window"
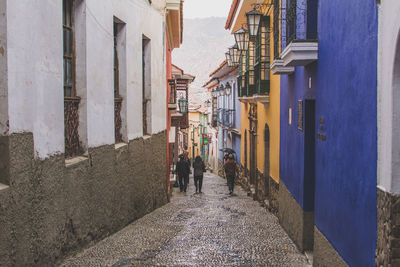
117 95
250 60
262 57
291 23
276 28
71 101
146 81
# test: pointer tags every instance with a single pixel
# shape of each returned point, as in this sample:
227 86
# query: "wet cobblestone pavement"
208 229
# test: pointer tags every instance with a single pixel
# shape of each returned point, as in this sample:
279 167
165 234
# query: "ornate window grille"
71 100
262 57
291 20
117 97
276 28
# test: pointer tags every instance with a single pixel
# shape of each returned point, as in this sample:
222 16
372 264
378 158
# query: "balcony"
226 117
277 68
300 53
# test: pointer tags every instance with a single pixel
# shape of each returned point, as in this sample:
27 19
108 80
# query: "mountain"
205 42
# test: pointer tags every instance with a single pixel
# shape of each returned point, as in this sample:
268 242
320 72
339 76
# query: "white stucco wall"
388 99
3 69
35 70
35 88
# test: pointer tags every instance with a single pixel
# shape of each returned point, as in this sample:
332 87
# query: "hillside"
205 42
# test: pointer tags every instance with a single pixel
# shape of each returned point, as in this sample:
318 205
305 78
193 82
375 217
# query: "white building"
82 121
388 195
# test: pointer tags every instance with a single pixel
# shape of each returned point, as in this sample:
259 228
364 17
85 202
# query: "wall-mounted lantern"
253 22
228 88
242 39
234 54
229 59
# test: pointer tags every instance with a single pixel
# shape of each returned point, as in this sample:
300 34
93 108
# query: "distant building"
225 114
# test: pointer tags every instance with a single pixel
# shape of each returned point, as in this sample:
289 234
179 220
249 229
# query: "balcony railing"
226 117
71 124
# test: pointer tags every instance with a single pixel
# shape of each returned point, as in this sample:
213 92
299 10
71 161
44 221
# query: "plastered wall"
35 71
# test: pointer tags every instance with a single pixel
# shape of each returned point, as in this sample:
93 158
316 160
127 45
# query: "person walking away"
199 169
183 170
231 170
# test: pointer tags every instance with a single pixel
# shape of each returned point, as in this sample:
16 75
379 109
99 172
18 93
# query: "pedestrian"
183 170
199 169
231 170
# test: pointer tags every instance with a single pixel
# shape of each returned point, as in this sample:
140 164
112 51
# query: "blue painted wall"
293 88
345 206
344 85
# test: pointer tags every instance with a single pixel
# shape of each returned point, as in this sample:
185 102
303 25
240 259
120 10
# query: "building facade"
225 113
388 191
83 122
328 153
259 93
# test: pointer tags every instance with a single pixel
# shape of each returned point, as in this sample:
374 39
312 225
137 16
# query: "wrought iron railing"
276 28
118 119
71 124
291 20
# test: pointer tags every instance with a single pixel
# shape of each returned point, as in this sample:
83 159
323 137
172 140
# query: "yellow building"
198 129
260 97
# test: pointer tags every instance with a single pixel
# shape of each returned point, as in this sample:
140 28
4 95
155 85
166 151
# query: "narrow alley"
209 229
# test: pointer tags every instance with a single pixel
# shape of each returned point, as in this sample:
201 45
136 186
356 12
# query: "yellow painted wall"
194 119
266 115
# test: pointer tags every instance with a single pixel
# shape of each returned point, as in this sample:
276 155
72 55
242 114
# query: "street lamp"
228 59
183 105
228 88
234 53
221 90
242 39
253 22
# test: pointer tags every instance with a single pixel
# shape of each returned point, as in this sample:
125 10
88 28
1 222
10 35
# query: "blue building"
226 112
328 149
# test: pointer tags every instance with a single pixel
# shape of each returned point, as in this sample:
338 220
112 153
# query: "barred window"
263 56
69 53
71 101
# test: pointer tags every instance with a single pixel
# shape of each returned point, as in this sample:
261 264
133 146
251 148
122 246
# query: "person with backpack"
183 170
231 170
199 169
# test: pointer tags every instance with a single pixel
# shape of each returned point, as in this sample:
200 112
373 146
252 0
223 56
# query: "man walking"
183 170
230 172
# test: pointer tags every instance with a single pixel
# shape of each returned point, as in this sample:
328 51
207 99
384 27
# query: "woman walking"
199 169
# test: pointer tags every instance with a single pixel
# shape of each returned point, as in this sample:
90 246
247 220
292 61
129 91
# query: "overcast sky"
206 8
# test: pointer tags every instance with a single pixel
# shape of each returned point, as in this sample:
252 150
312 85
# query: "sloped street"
208 229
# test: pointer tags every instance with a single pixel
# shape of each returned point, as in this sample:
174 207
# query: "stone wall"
324 253
51 210
388 229
298 224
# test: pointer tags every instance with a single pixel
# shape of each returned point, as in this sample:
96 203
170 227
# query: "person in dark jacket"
199 169
231 170
183 170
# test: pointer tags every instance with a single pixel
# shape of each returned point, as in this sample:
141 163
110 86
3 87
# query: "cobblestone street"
209 229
